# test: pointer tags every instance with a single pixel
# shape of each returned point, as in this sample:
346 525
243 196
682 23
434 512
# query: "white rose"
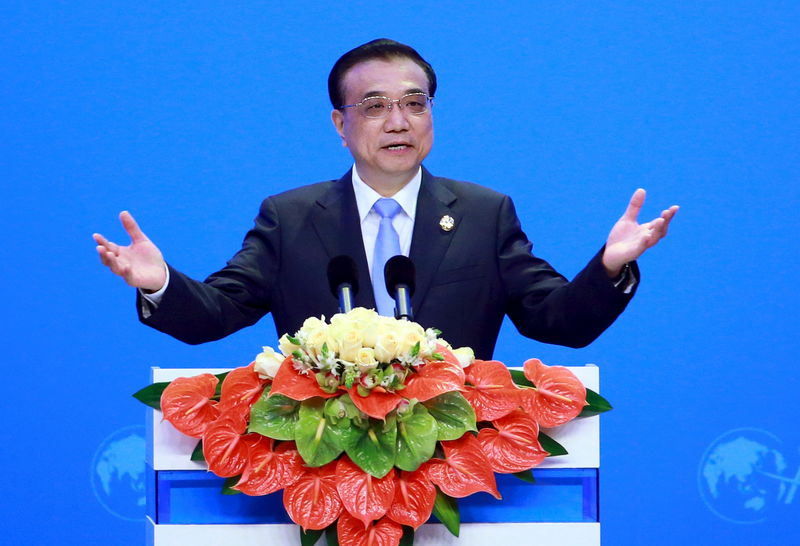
311 326
386 345
350 342
285 346
367 321
465 356
267 363
411 337
341 321
362 320
316 341
365 359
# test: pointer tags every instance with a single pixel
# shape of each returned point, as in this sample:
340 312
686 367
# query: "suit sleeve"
230 299
541 303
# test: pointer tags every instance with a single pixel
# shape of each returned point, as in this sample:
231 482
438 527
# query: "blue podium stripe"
559 495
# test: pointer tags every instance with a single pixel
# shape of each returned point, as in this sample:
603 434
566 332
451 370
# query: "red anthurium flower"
377 404
559 396
224 447
513 445
414 495
269 470
312 501
297 386
187 404
435 378
353 533
465 469
240 390
365 497
491 391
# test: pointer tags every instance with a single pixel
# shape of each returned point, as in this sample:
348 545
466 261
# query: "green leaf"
525 476
197 454
310 537
453 413
519 378
445 509
274 416
551 446
408 536
229 483
595 404
349 429
416 439
151 394
315 438
221 377
331 535
375 448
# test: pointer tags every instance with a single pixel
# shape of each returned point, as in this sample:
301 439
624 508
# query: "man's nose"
397 119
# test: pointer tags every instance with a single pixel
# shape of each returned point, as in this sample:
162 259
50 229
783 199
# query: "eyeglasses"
379 107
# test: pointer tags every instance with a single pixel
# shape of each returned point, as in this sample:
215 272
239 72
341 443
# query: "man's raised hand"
629 239
140 263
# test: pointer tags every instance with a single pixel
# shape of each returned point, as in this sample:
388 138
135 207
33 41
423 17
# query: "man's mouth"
399 146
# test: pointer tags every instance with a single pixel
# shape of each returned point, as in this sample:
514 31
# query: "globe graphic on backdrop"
740 475
118 473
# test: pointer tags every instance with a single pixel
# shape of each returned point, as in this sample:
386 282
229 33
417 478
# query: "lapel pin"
447 223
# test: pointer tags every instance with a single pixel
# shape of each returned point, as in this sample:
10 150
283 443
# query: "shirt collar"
406 197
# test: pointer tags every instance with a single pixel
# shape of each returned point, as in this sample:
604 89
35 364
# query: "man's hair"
381 49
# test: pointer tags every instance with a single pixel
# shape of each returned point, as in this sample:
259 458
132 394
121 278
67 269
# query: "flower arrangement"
370 424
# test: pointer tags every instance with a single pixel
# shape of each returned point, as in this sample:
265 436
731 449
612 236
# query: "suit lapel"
337 224
429 241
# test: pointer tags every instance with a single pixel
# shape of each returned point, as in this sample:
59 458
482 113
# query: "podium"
185 506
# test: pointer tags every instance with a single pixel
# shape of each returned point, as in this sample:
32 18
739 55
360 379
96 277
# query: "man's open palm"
140 263
629 239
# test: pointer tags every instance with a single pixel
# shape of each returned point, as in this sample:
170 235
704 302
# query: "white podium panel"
169 450
430 534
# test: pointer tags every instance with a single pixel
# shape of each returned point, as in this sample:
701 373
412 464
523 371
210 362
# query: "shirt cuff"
626 280
150 301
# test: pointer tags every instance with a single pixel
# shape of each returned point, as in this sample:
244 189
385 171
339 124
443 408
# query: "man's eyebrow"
408 91
369 94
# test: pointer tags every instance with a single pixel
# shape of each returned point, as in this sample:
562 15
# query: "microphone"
400 283
343 281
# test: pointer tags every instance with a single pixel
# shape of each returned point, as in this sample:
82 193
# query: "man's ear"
337 117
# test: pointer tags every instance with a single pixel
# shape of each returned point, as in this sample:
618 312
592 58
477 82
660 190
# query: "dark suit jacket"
468 278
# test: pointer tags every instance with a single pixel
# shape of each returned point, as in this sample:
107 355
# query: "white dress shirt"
403 221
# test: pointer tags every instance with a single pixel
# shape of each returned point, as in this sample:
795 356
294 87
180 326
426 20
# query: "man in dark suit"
473 261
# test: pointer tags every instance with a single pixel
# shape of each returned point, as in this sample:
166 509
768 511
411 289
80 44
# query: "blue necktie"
387 245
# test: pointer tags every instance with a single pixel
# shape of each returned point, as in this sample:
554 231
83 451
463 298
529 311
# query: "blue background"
189 113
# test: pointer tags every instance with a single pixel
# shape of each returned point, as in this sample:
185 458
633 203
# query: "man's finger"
659 229
635 205
101 253
110 261
668 215
105 243
131 227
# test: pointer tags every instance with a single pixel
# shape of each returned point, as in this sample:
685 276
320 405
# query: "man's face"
387 151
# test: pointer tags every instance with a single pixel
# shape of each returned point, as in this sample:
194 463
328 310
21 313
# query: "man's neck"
386 186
